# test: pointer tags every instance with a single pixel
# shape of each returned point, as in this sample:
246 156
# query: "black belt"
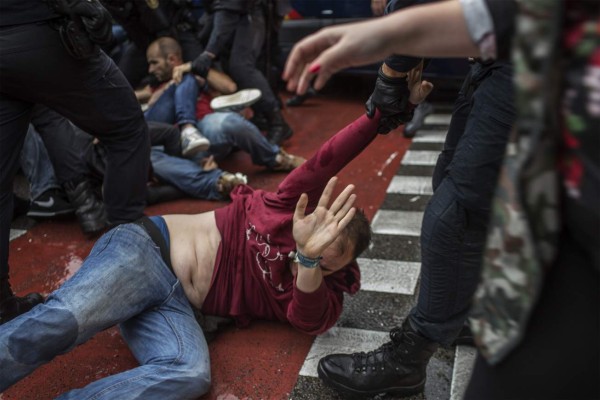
158 238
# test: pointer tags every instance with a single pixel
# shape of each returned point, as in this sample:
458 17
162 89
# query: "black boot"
396 367
12 306
279 131
88 208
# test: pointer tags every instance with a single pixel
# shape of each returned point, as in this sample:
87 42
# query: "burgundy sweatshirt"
252 277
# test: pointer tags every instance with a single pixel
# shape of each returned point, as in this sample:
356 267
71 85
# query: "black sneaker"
14 306
51 203
397 367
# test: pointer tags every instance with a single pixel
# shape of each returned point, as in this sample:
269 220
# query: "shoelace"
373 358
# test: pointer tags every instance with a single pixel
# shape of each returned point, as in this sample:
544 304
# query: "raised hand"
314 232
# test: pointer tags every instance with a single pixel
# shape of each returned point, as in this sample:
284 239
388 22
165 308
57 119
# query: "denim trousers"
123 281
35 68
177 105
454 228
186 175
36 165
228 131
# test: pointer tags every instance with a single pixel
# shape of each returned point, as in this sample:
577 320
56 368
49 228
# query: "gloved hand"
95 18
202 64
390 97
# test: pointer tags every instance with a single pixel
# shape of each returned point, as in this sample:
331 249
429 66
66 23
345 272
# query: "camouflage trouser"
454 226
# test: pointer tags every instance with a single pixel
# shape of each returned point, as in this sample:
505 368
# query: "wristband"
306 262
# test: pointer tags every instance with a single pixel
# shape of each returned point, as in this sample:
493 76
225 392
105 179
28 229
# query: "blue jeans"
454 228
123 281
177 105
36 165
228 131
186 175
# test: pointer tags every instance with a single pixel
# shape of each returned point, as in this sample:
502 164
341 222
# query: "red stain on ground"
258 362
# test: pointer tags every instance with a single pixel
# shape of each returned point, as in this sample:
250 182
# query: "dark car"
308 16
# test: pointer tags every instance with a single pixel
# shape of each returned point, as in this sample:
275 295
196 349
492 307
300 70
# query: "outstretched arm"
315 308
431 30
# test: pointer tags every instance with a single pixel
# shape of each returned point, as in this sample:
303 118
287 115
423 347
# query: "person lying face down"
287 255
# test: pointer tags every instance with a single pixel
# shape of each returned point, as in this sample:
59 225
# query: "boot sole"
400 391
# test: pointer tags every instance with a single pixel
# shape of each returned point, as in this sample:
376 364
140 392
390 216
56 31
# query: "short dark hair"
167 45
358 231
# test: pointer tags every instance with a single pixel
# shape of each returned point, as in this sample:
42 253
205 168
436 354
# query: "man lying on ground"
287 255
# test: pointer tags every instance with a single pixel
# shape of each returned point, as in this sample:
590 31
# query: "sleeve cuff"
480 26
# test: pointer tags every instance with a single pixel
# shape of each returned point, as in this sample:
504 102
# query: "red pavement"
259 362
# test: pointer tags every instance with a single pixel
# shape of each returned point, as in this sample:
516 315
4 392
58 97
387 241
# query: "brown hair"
358 231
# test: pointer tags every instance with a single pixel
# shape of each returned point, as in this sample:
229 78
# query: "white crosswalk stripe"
389 276
389 222
410 185
438 119
430 136
420 157
15 233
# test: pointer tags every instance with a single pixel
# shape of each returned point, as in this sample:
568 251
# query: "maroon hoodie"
252 277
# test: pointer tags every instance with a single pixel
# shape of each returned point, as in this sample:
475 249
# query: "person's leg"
165 135
14 121
452 235
47 199
164 108
67 146
455 221
93 94
247 45
36 165
227 130
173 355
97 297
186 97
186 175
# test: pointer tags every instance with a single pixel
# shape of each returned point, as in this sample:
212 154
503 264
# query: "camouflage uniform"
525 222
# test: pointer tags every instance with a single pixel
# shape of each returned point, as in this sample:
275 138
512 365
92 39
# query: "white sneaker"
193 142
237 101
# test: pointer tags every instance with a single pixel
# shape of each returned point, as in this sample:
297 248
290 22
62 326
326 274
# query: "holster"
72 32
76 40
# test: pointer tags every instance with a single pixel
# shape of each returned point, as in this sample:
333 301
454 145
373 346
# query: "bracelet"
306 262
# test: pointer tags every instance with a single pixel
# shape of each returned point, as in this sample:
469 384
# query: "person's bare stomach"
194 242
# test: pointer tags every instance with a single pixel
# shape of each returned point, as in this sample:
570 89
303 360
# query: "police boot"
12 306
278 131
88 208
397 367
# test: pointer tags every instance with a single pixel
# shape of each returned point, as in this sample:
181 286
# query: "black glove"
96 21
95 18
201 64
390 97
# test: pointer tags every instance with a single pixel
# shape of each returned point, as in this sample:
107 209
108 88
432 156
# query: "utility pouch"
76 40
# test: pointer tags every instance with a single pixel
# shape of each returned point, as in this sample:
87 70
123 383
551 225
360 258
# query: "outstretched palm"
314 232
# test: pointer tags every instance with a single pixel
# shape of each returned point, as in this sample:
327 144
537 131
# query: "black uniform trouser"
248 40
93 93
